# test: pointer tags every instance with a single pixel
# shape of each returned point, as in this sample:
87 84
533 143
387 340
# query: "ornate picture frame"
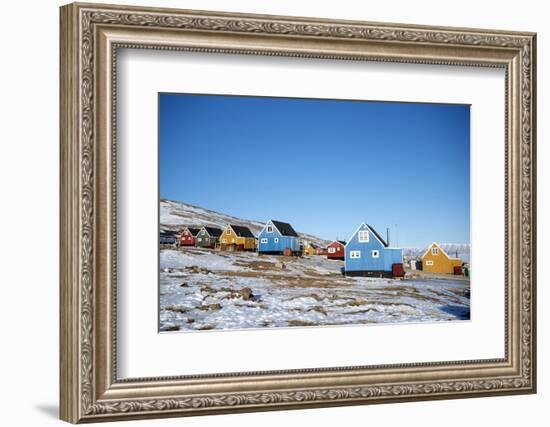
90 37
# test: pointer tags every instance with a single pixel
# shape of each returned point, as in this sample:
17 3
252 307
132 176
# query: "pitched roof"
377 235
440 248
242 231
214 231
285 228
194 231
342 242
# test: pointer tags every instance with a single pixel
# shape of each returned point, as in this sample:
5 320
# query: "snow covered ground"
202 289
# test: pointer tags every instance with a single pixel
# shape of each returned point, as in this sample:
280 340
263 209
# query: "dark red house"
337 250
188 236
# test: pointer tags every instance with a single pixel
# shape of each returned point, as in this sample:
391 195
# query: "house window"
224 241
228 232
364 236
232 240
338 248
375 254
200 239
276 240
435 251
429 262
270 229
331 250
355 254
264 240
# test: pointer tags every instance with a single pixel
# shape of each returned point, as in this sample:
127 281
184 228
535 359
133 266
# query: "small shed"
188 236
208 237
436 260
321 250
337 250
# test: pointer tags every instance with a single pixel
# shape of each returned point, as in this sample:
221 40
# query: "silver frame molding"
90 37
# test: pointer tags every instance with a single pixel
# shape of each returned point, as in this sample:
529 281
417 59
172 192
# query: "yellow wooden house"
310 249
237 238
436 260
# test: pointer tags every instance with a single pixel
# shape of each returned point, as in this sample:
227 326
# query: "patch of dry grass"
257 265
366 310
176 309
210 307
296 322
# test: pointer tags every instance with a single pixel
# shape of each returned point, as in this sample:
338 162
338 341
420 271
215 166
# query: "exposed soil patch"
297 322
210 307
367 310
176 309
257 265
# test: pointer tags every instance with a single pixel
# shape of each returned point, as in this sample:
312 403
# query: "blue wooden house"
367 254
276 236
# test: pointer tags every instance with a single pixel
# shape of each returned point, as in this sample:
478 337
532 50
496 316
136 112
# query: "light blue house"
276 236
367 254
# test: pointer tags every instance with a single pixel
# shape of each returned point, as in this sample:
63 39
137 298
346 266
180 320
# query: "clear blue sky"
324 166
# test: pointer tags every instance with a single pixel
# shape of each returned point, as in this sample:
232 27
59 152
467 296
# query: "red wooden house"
336 250
188 236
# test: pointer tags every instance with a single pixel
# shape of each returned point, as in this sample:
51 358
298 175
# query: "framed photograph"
266 212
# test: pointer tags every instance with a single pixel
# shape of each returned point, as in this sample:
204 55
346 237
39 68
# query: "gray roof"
214 231
377 235
194 231
342 242
242 231
285 228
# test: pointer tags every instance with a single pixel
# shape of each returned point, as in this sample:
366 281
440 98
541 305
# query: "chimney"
388 235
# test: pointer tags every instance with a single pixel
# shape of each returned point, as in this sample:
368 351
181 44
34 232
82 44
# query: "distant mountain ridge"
175 215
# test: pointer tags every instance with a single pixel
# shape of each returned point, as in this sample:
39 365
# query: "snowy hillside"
175 215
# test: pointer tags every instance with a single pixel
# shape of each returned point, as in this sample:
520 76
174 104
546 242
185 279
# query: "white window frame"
233 240
269 229
224 240
228 232
276 240
200 239
331 250
361 236
435 251
355 254
263 241
429 262
376 253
